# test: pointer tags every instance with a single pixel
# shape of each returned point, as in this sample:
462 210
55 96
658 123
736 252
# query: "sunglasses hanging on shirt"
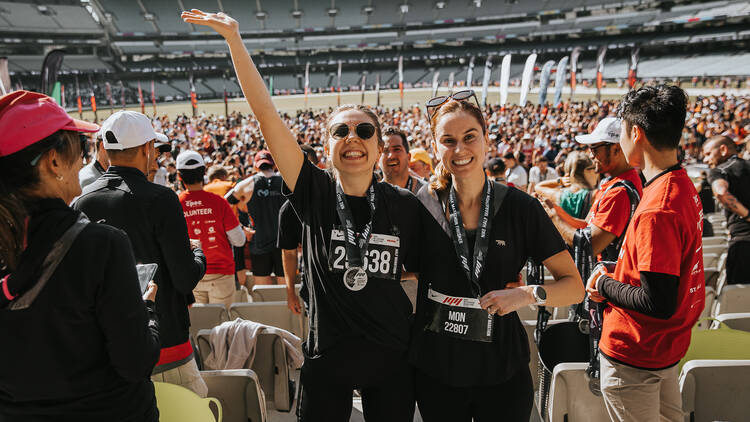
363 130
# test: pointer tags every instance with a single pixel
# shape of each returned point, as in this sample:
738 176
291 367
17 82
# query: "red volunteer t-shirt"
664 237
610 210
209 217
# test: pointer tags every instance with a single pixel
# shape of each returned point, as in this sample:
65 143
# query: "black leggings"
510 401
384 377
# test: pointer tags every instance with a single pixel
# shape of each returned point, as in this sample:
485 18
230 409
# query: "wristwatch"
540 295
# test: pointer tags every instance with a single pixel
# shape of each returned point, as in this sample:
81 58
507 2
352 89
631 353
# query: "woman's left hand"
503 302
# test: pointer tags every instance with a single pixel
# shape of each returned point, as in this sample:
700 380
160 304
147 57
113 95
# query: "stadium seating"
715 390
737 321
178 404
239 392
733 298
275 314
206 316
570 398
272 293
270 366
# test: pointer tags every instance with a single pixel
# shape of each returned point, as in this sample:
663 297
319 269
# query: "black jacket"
85 348
152 217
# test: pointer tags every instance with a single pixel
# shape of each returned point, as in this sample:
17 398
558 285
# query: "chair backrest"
270 366
720 343
737 321
275 314
570 398
178 404
710 259
241 295
239 392
271 293
703 322
733 298
715 240
206 316
716 390
717 249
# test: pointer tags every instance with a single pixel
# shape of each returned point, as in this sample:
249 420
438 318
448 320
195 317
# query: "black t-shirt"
290 228
520 230
736 172
380 312
264 207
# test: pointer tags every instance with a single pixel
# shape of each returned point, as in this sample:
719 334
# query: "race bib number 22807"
381 259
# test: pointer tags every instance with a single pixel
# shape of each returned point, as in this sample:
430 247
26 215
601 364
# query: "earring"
59 178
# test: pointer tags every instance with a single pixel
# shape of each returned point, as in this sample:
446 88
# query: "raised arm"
282 143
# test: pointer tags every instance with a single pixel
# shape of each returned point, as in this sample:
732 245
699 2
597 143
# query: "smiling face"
350 154
460 143
395 159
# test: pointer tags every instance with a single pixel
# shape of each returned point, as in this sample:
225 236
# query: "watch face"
540 293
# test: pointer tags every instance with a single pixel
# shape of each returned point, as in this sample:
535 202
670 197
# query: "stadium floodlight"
440 4
149 17
44 10
404 8
477 3
368 10
261 15
297 13
332 12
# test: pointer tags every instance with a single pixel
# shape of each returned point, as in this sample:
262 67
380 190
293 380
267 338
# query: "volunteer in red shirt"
655 294
610 209
210 220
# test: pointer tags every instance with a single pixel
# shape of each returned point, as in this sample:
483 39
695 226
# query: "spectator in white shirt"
515 174
540 172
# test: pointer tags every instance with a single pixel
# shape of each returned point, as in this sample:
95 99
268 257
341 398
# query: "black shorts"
267 263
239 258
738 272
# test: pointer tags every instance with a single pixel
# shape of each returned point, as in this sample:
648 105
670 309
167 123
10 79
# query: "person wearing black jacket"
78 342
153 218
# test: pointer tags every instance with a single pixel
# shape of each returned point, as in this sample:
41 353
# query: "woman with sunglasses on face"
468 345
357 234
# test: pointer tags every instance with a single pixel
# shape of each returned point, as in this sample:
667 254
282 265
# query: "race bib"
459 317
380 261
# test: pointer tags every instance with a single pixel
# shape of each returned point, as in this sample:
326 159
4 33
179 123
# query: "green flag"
56 93
270 85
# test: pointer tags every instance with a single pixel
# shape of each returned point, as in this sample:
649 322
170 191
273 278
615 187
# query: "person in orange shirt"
656 292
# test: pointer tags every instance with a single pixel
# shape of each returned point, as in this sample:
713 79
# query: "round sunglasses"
363 130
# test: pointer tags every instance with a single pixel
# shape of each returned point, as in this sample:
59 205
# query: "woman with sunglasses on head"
468 345
78 341
357 234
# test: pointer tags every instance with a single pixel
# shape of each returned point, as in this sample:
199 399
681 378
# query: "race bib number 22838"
381 259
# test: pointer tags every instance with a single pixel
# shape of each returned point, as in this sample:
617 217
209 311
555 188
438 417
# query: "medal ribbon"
356 246
481 243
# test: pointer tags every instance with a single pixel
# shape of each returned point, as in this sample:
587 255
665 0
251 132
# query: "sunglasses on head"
363 130
458 96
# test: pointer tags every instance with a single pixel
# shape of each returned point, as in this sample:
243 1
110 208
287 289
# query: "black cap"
495 165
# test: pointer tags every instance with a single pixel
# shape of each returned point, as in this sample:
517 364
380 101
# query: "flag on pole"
600 71
451 76
153 96
544 81
50 68
338 84
56 93
435 80
78 100
193 96
270 85
226 98
633 66
62 95
377 89
401 79
363 87
486 79
573 69
307 81
528 72
504 78
122 94
470 73
560 80
108 90
140 97
93 100
4 76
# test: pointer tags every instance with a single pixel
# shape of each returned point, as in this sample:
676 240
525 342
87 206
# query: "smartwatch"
540 295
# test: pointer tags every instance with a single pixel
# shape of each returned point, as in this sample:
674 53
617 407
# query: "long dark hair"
19 176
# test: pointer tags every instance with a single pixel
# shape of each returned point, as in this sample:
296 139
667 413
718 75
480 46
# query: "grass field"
388 98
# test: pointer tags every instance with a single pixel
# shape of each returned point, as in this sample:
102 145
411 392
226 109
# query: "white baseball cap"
126 129
188 160
608 130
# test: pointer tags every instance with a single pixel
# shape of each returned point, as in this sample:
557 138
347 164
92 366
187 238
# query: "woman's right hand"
219 22
150 291
292 301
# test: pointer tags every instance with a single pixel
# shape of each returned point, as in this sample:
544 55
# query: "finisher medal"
355 278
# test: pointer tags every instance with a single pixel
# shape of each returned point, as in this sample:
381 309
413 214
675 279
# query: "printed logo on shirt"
500 242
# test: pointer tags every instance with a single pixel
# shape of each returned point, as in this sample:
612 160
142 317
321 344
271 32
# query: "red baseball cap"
263 157
28 117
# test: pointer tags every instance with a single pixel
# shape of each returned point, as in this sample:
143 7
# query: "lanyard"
356 246
481 243
409 183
